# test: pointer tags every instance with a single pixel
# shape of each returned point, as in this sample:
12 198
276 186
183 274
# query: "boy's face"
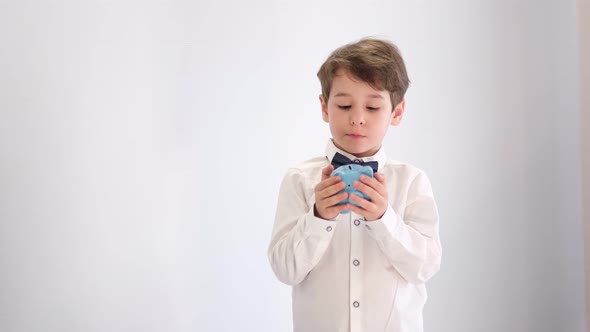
359 115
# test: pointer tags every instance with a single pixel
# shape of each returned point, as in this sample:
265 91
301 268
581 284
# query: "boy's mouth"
354 135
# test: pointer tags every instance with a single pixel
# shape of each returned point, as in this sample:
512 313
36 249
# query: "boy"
364 270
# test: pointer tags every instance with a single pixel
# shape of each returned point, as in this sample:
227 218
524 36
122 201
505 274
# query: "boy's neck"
367 155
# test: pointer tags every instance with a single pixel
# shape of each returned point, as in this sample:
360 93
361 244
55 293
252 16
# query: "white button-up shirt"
349 274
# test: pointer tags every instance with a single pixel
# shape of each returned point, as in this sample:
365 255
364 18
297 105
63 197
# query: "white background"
142 145
583 11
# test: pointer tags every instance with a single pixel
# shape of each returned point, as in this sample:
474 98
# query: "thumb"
327 171
380 177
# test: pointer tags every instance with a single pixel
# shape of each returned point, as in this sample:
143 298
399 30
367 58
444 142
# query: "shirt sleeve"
411 243
299 239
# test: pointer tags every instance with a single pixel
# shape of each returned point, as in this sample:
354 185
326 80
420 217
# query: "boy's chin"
357 151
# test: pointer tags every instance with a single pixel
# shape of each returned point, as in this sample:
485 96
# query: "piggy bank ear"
337 171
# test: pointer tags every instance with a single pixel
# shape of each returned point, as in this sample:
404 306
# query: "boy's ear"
398 113
324 108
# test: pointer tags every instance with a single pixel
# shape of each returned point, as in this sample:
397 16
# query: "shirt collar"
379 157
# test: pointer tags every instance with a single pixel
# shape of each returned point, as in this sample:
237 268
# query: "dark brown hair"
377 62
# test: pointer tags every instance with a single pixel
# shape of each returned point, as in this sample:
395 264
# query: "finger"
332 190
363 203
327 171
327 183
336 209
334 200
357 210
330 180
374 184
332 211
381 178
367 190
371 182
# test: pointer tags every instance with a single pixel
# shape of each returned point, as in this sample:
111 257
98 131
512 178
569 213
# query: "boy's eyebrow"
344 94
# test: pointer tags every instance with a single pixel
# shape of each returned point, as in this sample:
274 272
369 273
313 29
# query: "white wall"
583 10
120 211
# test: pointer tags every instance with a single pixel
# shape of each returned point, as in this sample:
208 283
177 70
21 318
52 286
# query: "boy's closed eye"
346 107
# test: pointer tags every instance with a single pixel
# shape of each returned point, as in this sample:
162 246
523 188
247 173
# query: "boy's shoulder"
305 174
311 164
404 169
310 169
403 172
392 164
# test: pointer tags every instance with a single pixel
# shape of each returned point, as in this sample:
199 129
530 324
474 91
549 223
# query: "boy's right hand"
327 197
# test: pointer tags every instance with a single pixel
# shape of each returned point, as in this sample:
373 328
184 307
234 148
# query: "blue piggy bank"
348 174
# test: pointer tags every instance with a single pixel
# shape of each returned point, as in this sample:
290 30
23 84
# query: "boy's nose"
357 118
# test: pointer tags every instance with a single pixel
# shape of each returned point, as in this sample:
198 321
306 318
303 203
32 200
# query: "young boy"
363 270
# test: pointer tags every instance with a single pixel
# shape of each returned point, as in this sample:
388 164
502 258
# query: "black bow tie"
341 160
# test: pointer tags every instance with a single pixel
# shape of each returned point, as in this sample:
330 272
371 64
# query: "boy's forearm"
297 247
416 255
299 239
411 242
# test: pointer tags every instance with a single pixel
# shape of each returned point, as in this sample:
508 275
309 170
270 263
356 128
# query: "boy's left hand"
376 190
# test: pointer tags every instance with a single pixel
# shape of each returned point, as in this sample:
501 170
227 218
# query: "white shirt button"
329 228
356 262
357 222
355 304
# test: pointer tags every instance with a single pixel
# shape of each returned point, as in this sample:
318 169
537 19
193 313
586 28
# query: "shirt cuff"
318 226
387 226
